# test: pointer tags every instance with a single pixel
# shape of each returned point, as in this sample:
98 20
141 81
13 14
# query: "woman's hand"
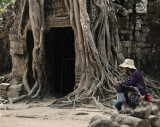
129 87
116 85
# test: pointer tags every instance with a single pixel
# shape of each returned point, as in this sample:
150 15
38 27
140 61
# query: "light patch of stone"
15 90
154 110
153 119
141 6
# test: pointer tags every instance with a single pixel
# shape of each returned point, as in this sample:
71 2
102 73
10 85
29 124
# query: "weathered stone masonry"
139 34
138 29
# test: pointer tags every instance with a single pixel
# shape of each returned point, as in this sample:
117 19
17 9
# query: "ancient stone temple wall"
17 44
139 34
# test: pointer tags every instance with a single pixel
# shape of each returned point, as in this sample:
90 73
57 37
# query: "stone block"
137 33
154 110
16 88
124 119
123 22
130 10
4 86
138 21
138 38
141 7
126 44
144 34
138 27
157 123
57 22
145 51
143 45
3 92
157 102
130 37
130 32
13 94
123 31
153 119
121 11
125 37
125 126
18 67
15 38
130 27
101 121
116 124
16 47
143 111
145 29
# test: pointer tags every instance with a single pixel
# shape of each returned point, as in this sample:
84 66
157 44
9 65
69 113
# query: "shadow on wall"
5 58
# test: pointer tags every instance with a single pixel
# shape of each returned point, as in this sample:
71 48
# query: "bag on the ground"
133 97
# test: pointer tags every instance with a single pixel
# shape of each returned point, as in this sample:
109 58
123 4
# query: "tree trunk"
98 50
97 47
36 14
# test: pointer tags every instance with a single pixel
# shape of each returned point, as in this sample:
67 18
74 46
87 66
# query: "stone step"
100 121
143 111
154 110
156 102
124 119
13 94
4 86
153 119
16 88
3 92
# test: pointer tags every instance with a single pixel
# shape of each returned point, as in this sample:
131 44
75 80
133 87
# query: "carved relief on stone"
141 6
55 8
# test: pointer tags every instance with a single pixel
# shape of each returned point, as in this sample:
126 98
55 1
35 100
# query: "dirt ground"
39 114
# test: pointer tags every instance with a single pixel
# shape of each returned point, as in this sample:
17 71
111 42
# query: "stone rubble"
145 115
7 90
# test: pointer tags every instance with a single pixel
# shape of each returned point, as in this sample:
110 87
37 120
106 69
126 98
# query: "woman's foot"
123 108
121 111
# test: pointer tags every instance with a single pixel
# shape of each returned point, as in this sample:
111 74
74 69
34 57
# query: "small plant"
3 3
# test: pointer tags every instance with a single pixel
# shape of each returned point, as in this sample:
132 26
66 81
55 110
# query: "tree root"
98 50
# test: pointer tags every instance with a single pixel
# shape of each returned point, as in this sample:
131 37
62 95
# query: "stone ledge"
142 111
154 110
13 94
16 88
132 121
4 86
153 119
3 92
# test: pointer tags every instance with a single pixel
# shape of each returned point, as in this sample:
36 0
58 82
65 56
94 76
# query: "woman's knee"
118 105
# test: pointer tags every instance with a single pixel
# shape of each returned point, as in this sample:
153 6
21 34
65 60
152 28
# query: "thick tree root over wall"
98 52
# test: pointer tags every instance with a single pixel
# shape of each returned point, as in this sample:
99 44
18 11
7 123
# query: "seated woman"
120 97
134 80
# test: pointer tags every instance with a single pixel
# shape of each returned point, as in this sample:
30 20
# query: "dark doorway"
29 50
60 60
